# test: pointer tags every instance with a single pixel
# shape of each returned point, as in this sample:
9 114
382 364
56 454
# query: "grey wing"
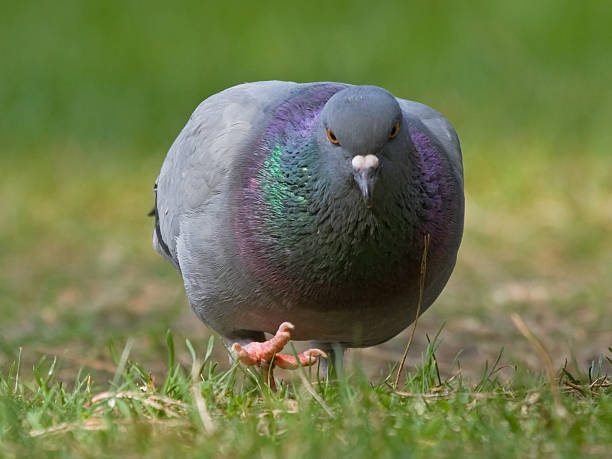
440 128
198 163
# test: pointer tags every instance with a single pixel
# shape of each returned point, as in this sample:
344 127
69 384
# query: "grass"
92 95
199 410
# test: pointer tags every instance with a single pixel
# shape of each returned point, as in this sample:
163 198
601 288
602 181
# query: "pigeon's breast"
313 251
334 276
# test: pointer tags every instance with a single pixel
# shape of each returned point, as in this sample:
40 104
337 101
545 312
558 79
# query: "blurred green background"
93 94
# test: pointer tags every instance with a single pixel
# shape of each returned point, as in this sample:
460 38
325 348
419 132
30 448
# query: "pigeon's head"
360 129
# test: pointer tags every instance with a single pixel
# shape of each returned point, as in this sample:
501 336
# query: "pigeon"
302 211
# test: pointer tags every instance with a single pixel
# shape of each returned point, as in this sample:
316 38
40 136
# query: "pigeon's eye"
394 131
332 138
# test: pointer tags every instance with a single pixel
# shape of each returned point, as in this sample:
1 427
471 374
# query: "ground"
536 244
83 284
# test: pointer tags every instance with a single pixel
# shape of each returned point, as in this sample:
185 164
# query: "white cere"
364 162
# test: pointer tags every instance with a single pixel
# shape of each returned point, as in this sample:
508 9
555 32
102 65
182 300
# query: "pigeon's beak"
365 172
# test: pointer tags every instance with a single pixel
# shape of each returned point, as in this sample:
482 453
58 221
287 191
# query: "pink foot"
305 359
266 353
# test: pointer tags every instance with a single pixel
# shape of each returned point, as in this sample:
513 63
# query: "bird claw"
268 353
305 359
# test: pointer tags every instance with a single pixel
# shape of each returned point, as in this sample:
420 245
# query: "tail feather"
154 213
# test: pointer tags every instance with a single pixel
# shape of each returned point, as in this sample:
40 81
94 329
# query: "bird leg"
267 354
332 366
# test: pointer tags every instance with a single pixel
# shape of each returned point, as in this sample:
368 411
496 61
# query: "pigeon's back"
198 164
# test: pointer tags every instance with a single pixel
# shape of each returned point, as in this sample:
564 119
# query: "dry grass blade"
207 422
137 396
544 356
602 382
419 395
88 424
98 423
166 405
575 387
314 394
122 361
447 395
418 311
